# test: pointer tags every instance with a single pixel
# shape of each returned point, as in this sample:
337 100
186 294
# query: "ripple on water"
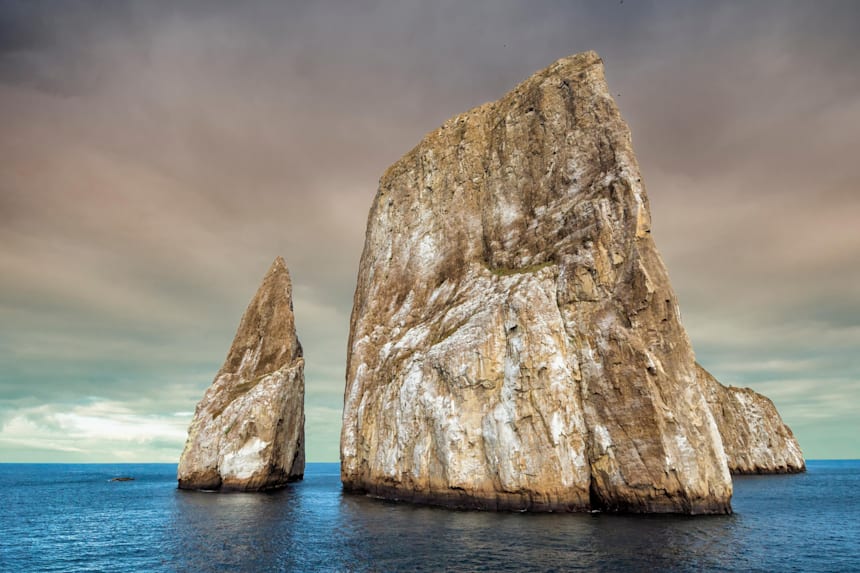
71 518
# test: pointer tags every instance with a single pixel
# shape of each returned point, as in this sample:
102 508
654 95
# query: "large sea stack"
248 430
515 342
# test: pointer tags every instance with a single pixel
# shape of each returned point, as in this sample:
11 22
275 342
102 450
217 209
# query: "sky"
156 156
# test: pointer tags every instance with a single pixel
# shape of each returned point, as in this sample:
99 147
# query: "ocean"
70 517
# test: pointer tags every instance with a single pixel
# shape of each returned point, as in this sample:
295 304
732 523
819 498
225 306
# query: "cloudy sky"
155 157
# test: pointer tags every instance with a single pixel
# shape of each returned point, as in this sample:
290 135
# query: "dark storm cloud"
156 156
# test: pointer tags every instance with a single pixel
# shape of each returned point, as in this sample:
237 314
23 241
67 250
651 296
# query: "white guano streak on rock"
250 358
753 417
245 462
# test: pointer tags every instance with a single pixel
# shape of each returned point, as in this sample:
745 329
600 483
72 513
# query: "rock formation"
754 436
515 342
248 430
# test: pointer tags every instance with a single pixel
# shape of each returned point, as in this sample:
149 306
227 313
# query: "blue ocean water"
70 517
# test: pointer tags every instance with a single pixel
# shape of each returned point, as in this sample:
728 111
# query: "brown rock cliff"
754 436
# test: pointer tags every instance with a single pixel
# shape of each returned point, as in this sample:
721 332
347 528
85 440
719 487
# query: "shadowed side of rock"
755 438
515 342
247 433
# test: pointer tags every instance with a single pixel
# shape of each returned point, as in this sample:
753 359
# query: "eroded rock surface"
754 436
515 342
248 430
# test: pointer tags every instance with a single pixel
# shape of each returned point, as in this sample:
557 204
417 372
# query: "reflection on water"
284 530
394 537
227 531
69 518
313 526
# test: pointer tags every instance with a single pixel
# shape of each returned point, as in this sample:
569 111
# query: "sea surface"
70 517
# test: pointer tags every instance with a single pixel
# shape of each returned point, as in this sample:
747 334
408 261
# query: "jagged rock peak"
248 430
515 342
755 438
266 337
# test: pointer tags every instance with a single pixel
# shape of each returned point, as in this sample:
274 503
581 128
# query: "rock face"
515 342
754 436
248 430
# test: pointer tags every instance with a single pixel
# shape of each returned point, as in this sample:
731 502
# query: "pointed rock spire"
248 430
266 338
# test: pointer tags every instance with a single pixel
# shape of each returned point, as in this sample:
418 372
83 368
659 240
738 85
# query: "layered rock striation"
515 342
247 433
755 438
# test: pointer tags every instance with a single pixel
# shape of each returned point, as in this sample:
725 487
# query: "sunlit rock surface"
248 430
754 436
515 342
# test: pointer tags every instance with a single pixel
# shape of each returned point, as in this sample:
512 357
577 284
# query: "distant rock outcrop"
754 436
515 342
248 430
